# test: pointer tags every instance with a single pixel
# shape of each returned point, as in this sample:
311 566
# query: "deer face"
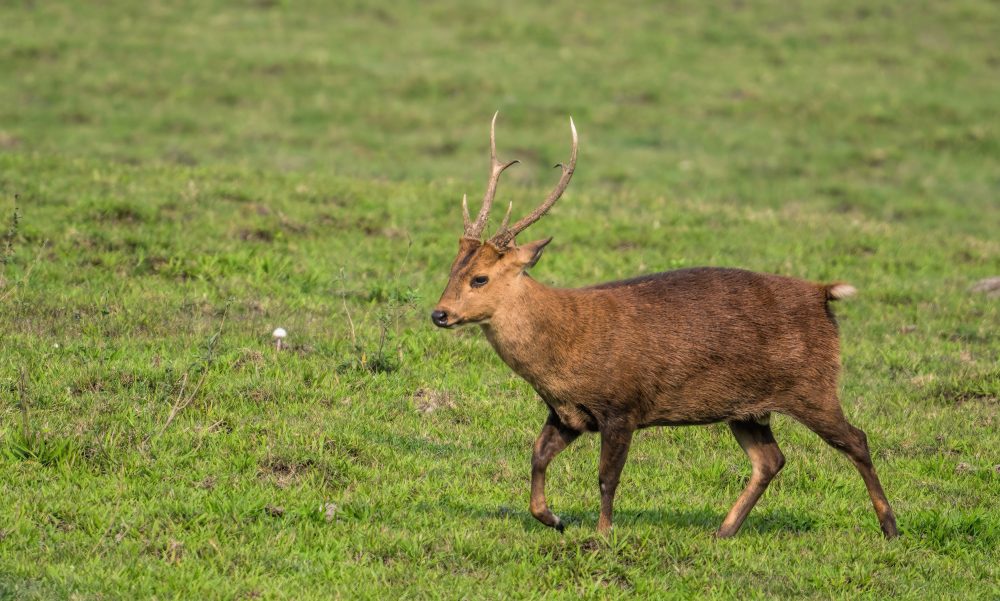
483 279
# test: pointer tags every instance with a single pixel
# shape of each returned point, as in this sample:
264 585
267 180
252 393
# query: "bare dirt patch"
988 286
283 472
429 401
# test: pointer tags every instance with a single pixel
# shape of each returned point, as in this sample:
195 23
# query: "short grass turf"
190 176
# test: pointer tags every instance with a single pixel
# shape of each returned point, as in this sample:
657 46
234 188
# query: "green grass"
192 176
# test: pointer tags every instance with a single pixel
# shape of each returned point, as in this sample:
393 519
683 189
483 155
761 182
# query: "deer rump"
691 346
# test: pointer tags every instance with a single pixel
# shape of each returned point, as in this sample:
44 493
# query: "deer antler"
505 236
474 230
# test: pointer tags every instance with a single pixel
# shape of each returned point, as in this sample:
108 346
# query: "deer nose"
440 318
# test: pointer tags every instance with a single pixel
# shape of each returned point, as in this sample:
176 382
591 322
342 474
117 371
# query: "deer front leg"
614 450
555 437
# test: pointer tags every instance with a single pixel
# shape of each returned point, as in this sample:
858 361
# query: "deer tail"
838 290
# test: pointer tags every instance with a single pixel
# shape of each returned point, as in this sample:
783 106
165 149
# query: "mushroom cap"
279 333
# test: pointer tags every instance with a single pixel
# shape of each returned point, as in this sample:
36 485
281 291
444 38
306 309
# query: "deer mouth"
454 324
447 322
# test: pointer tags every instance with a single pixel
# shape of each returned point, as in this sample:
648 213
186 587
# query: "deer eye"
479 281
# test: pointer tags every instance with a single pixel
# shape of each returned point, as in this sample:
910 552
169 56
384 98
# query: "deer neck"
535 332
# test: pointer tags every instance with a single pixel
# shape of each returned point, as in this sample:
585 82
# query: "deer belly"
575 416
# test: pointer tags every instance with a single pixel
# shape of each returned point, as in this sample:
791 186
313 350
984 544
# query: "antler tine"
506 217
465 212
475 229
505 236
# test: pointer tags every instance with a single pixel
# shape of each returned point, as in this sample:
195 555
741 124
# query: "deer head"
486 274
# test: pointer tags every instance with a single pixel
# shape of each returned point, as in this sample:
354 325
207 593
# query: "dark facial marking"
463 261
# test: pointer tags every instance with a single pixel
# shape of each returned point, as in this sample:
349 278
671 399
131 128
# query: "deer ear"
528 254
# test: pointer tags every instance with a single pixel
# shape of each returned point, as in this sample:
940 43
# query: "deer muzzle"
440 318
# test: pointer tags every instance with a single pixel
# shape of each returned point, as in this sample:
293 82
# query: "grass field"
190 176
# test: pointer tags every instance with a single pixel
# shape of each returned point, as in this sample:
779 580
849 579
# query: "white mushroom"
279 334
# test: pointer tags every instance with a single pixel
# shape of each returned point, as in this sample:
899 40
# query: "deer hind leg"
766 461
555 437
836 431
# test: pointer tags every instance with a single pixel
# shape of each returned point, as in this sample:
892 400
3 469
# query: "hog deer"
692 346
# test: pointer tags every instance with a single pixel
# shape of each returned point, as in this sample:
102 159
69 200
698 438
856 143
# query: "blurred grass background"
191 175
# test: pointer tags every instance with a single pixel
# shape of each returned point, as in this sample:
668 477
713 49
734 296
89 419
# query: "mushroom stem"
279 335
